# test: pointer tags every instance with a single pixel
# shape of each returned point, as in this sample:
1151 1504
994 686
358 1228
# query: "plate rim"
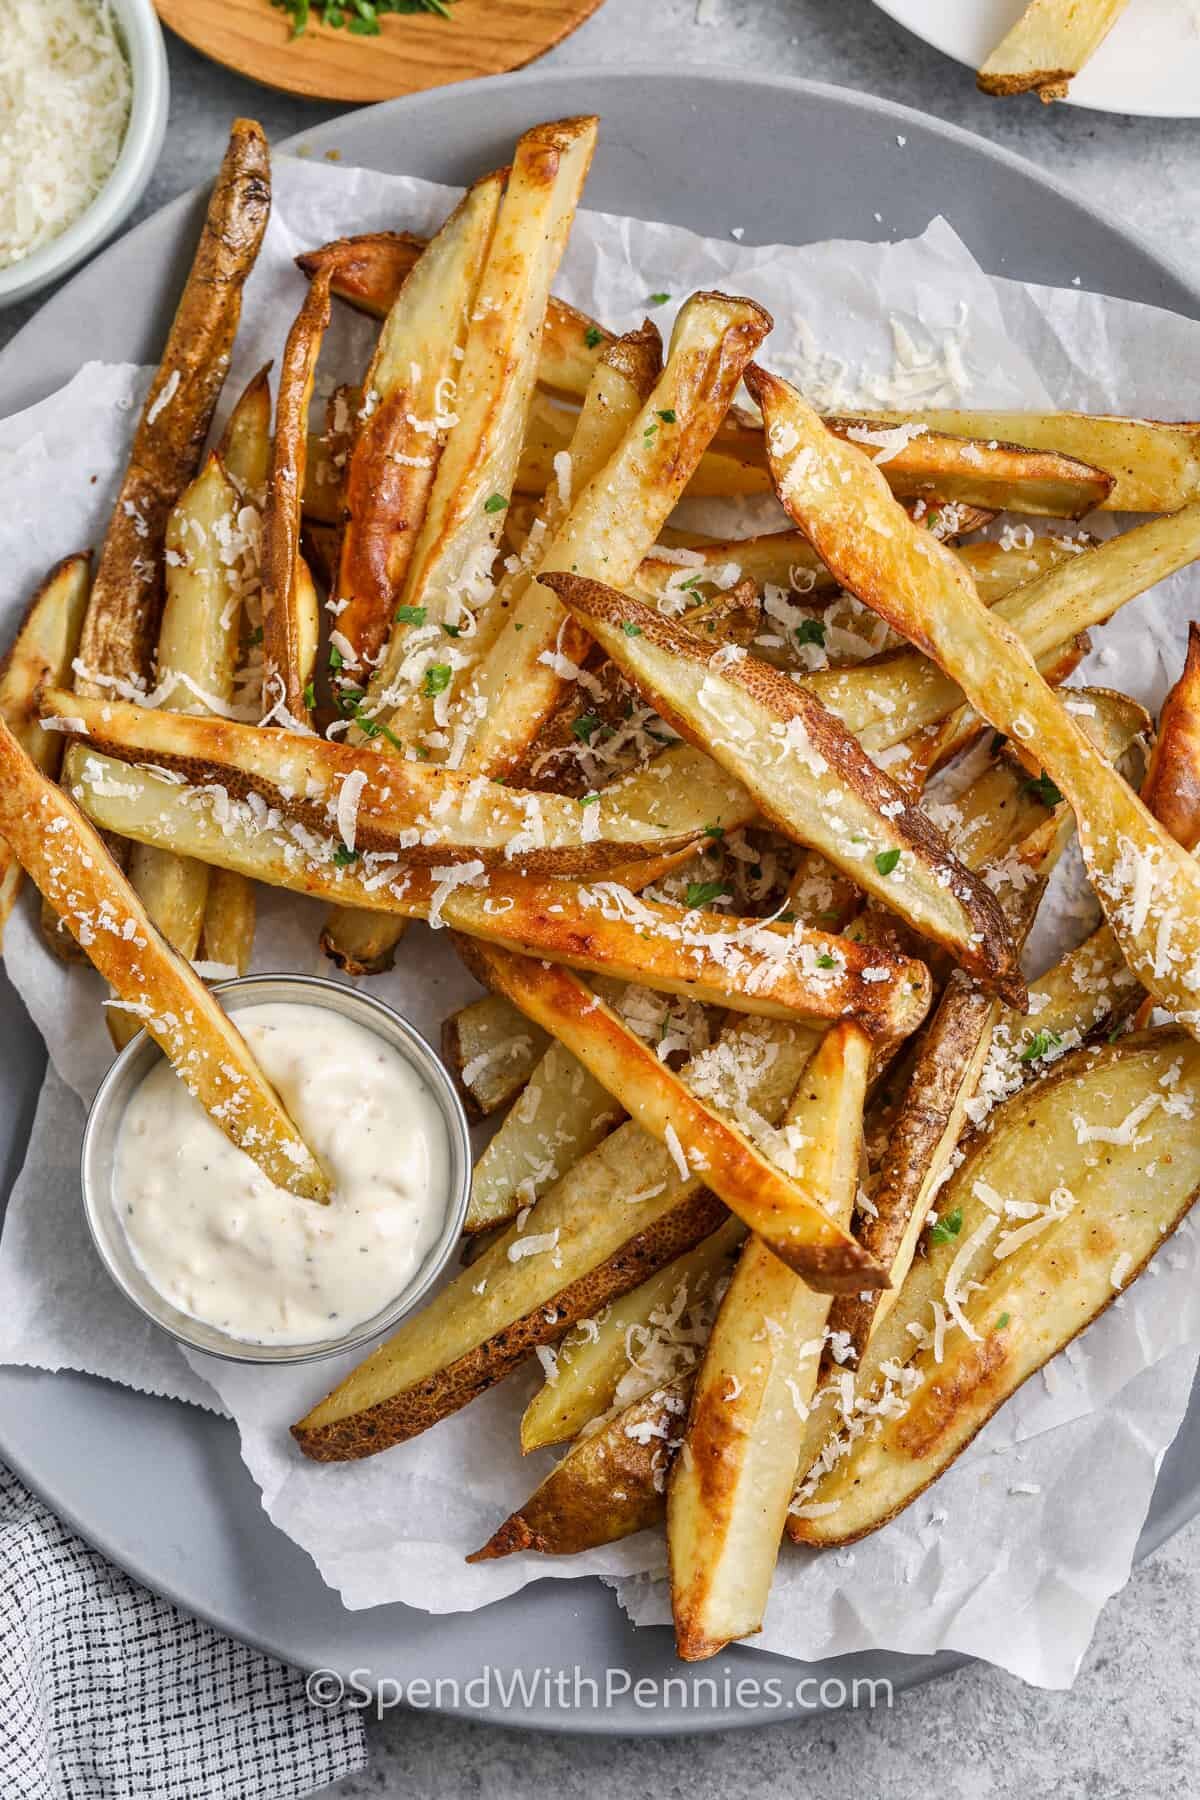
911 1670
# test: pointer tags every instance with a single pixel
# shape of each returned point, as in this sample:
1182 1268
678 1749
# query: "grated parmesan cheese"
64 107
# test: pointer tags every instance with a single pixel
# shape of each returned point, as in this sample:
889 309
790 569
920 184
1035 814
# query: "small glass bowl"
98 1161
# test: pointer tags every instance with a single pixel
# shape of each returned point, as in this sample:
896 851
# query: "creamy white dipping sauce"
221 1242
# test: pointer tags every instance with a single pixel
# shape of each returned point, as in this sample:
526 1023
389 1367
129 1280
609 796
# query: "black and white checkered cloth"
109 1693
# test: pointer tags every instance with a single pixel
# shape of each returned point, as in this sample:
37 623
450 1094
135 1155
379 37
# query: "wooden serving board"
413 51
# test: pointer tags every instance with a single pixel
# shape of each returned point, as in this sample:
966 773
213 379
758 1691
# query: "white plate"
1148 64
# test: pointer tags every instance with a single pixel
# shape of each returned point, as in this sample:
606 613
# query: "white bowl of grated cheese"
83 109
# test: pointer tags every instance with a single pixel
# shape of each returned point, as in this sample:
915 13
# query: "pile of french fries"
797 1179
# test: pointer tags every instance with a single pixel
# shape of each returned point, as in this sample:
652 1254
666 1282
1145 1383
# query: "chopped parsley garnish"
810 631
256 636
593 337
360 17
437 679
630 629
584 726
648 434
825 961
310 696
1002 1321
589 800
495 503
451 630
714 831
1039 1044
667 415
700 893
886 861
1045 789
657 299
410 615
336 659
693 581
947 1227
343 857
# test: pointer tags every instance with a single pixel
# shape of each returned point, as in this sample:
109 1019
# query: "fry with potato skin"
818 785
286 664
230 915
1102 1219
121 627
492 1050
791 1219
428 814
393 458
1172 786
41 652
63 854
603 929
369 271
731 1484
1141 876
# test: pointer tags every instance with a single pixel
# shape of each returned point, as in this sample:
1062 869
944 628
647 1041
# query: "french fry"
598 1358
62 853
1154 464
789 1217
730 1487
1172 786
937 468
816 783
492 1050
1041 1278
885 701
604 930
369 271
608 1485
614 521
245 447
382 803
562 1113
41 652
407 390
121 627
616 1217
1047 47
287 630
1148 886
227 940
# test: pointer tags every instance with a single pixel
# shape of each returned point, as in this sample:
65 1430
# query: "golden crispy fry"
729 1489
370 270
1041 1278
227 940
615 519
1148 886
121 627
286 632
604 929
608 1485
492 1050
621 1213
1172 786
407 394
1047 47
65 857
245 447
815 782
1154 465
561 1115
790 1218
41 652
597 1359
383 803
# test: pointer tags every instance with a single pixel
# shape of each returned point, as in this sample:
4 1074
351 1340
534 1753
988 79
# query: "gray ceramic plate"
160 1487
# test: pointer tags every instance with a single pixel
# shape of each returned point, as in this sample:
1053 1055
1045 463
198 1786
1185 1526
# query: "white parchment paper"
1012 1555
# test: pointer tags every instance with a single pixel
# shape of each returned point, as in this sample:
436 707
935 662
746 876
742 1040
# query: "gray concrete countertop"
1128 1726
